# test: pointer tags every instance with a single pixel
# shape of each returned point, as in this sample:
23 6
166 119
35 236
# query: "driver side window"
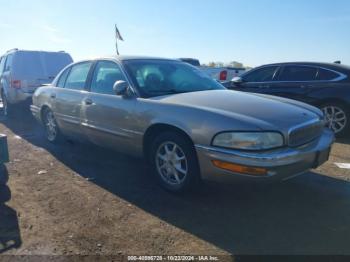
105 75
265 74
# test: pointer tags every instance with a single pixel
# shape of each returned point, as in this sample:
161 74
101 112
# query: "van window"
8 64
78 76
43 65
2 64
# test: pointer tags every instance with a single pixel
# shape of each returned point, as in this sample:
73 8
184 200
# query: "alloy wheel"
335 118
171 163
51 126
4 105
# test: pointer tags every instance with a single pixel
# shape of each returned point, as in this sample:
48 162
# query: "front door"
107 118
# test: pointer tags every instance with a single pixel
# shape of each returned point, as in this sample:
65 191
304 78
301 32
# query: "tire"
5 194
6 106
338 118
52 131
174 162
3 175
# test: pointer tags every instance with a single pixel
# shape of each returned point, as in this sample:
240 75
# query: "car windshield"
162 77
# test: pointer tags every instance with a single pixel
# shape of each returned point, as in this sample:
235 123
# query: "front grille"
306 133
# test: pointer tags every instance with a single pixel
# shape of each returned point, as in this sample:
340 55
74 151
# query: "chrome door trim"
124 132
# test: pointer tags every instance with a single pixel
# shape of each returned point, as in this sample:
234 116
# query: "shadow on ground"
9 230
344 140
306 215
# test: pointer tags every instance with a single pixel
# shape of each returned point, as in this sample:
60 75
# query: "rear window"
8 63
298 73
326 75
43 65
78 76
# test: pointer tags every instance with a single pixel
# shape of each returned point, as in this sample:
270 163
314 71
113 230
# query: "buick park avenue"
185 124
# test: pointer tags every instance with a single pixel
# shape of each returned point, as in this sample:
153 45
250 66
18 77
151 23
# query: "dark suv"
324 85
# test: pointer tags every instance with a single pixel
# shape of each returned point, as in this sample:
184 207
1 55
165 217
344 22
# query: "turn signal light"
246 170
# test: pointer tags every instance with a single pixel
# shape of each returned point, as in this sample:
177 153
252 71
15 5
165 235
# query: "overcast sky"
253 32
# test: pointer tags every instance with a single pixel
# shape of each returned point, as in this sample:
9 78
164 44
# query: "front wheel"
174 162
337 118
53 133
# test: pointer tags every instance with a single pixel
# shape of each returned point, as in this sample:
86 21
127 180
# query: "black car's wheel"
337 118
53 133
174 162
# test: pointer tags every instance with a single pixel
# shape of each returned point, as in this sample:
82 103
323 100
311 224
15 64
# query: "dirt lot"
81 199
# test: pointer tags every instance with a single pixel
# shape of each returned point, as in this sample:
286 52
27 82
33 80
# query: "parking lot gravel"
76 198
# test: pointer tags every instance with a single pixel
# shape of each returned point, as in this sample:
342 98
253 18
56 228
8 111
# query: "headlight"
249 140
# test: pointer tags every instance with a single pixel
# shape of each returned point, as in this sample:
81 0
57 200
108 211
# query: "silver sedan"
185 124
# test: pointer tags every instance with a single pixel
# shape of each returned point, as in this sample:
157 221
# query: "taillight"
16 83
223 75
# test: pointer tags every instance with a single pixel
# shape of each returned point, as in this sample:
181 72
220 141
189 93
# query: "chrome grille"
305 133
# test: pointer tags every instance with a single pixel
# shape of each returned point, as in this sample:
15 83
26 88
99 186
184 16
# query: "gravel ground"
76 198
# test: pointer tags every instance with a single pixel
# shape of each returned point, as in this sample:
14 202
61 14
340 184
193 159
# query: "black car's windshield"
160 77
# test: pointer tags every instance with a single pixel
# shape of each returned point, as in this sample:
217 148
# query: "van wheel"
337 118
174 162
6 107
53 133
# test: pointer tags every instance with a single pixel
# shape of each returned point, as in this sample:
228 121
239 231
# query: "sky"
253 32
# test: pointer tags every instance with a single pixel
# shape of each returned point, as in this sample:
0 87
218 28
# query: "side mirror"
121 88
237 80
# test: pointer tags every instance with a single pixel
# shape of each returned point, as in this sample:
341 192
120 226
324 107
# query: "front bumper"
35 112
280 163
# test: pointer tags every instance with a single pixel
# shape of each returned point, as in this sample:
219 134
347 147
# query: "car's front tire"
174 162
337 118
52 131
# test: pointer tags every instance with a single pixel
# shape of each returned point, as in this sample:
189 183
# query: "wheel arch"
42 110
159 128
333 100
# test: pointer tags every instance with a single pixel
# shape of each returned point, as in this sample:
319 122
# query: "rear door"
294 81
107 117
68 96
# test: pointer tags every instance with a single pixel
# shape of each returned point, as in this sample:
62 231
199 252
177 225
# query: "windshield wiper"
170 91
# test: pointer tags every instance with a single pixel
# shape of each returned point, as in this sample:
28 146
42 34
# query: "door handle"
53 96
88 102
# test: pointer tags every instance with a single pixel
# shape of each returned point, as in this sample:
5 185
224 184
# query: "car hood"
262 111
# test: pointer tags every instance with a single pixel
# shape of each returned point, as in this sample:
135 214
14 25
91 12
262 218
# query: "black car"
324 85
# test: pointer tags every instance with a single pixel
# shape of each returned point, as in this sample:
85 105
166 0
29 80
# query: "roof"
333 66
126 57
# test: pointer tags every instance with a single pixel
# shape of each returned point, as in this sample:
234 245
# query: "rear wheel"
6 107
337 118
53 133
174 162
3 175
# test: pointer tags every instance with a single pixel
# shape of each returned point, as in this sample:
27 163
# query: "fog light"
246 170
